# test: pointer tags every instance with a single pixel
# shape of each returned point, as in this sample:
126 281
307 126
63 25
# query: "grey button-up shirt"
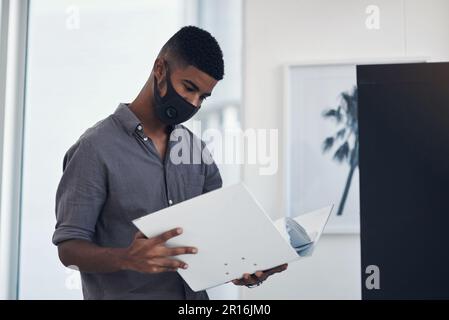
112 175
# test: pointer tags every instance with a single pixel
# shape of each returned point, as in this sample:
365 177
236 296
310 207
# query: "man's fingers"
242 281
180 250
281 268
261 276
258 276
169 263
164 237
277 269
248 279
159 269
167 269
139 235
266 274
269 272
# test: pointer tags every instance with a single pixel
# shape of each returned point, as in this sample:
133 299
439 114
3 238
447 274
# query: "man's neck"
143 108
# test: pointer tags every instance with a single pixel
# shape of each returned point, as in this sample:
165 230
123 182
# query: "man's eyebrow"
192 84
195 87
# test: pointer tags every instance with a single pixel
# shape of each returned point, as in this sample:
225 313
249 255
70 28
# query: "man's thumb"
139 235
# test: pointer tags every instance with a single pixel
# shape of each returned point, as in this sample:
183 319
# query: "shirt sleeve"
81 193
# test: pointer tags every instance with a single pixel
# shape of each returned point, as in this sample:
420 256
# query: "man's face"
189 82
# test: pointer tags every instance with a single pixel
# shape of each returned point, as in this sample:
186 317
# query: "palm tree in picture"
346 139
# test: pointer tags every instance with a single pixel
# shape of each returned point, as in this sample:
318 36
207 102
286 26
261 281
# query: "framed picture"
321 140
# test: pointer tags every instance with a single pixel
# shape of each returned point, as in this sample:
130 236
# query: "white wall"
279 32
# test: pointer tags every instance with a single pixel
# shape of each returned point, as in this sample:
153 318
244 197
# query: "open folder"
233 235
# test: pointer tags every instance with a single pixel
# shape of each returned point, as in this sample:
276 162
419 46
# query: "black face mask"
172 108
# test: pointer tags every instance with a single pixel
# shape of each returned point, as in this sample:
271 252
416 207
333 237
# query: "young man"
121 169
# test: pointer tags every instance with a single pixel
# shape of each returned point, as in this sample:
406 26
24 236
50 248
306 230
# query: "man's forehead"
201 79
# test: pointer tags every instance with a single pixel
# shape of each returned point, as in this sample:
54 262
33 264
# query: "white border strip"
14 37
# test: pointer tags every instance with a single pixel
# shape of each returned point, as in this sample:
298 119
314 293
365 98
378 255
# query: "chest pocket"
193 184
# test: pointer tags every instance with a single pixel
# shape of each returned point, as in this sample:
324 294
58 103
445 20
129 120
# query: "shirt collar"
127 118
130 121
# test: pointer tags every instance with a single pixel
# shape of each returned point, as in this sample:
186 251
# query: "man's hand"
258 277
151 255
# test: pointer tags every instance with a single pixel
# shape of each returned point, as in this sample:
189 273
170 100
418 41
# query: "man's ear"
159 74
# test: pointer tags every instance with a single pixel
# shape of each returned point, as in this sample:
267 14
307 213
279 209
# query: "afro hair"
197 47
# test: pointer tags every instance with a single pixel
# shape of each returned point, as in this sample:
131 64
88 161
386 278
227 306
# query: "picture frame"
320 139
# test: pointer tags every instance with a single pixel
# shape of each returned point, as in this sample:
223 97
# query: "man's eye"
190 89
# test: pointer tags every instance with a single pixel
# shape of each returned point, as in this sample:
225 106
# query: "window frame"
13 46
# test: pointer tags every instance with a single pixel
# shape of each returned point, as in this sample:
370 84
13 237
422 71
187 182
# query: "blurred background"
65 64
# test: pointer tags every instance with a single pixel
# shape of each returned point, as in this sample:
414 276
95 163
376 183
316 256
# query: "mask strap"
167 75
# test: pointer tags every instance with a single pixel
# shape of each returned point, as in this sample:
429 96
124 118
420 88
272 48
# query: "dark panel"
404 178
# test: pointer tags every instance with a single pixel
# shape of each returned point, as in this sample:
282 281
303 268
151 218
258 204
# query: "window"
84 57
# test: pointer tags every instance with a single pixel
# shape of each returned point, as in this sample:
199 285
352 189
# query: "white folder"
233 235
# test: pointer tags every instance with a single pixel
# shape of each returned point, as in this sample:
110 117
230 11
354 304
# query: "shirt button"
170 202
145 139
139 128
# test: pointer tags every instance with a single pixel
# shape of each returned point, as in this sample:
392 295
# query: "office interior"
65 64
